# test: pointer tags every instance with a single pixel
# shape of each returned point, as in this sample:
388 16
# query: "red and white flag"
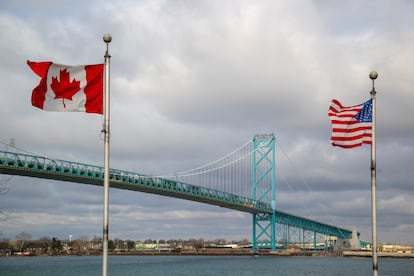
68 88
351 125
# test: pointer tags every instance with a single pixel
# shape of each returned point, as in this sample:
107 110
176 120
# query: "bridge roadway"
41 167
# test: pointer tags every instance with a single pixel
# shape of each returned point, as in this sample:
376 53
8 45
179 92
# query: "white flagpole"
107 39
373 75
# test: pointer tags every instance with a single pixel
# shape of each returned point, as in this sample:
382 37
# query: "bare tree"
21 238
46 243
130 245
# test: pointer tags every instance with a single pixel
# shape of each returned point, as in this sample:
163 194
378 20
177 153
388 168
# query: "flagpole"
373 75
107 39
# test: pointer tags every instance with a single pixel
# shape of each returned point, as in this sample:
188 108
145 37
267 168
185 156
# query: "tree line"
84 245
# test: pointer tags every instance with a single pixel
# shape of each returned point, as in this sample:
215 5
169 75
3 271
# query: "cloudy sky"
193 80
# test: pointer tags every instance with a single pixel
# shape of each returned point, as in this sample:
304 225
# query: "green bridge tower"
264 189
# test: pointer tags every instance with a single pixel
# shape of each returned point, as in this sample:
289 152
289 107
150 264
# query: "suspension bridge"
243 180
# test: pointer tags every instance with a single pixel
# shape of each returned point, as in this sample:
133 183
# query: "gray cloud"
191 82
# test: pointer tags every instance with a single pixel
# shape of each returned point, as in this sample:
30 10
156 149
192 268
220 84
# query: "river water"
201 266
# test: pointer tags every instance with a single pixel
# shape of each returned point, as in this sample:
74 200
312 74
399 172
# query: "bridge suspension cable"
199 170
230 173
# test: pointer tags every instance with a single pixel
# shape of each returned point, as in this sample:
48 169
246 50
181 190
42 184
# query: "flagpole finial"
373 76
107 38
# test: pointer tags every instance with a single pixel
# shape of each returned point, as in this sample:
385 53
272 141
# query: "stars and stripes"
351 125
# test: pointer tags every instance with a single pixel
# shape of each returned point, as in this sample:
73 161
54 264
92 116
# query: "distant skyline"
193 80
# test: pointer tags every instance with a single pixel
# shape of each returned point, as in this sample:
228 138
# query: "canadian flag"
68 88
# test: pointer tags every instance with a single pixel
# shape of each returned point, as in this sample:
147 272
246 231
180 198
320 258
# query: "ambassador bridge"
243 180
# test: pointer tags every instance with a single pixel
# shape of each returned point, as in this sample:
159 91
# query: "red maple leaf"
64 89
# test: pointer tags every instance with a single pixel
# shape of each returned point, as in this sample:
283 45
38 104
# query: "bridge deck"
40 167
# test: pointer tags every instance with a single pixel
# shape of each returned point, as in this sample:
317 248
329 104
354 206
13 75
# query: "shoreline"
218 252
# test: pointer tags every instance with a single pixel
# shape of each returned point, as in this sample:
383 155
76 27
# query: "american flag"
351 125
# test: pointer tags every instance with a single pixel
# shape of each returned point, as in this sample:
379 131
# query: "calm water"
201 266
